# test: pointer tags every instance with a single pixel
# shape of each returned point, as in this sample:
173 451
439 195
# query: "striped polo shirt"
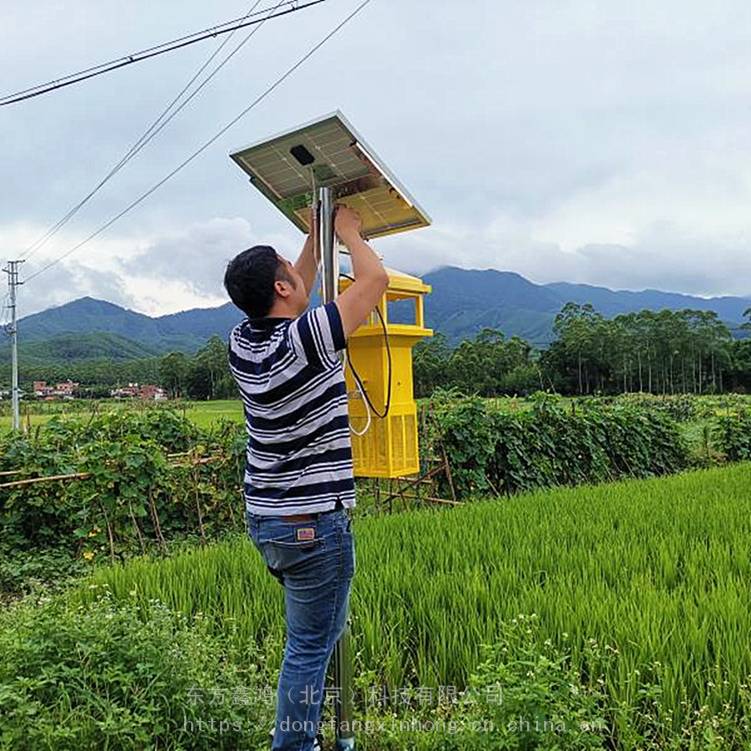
299 455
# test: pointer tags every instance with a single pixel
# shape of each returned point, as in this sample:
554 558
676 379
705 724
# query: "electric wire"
369 420
356 375
153 130
206 145
137 57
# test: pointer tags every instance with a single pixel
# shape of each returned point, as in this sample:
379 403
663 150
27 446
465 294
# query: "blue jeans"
315 562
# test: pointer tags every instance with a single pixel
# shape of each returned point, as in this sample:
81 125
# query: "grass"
203 414
654 573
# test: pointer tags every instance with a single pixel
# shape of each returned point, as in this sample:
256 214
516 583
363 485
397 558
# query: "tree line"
684 351
204 375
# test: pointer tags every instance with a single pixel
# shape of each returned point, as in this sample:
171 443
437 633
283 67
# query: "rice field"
655 575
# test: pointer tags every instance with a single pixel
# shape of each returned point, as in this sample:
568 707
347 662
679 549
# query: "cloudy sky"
567 140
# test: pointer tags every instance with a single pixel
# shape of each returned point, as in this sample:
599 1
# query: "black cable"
137 57
279 81
151 132
356 375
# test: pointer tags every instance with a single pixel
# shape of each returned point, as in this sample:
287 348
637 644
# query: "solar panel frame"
344 161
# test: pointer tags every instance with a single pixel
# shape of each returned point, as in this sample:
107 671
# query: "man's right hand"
347 223
371 280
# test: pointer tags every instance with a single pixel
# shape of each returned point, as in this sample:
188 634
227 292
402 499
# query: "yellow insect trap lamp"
382 408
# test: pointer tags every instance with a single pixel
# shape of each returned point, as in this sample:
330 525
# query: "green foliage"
146 480
530 693
205 375
683 351
525 694
67 347
45 570
734 436
494 451
487 365
741 367
665 352
680 407
660 352
104 373
113 675
173 372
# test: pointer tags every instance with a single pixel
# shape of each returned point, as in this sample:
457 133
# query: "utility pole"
12 271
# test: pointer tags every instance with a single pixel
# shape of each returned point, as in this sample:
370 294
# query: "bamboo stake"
413 482
83 475
492 486
447 465
198 507
437 500
157 526
48 478
109 532
231 509
135 524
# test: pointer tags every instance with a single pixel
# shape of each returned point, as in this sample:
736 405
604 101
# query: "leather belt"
313 516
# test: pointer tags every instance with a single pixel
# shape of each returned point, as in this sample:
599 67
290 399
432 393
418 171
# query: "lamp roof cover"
287 169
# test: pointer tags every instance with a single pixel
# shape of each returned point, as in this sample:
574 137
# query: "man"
299 483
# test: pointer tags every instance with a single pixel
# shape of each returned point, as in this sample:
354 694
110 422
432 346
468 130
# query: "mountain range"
462 302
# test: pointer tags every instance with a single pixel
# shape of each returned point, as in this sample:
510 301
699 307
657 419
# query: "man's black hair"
249 279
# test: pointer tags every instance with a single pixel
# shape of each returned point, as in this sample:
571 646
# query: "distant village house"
146 391
64 390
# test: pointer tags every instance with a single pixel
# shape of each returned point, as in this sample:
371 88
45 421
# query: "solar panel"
288 168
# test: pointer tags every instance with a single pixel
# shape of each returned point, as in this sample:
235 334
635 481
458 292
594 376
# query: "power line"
137 57
206 145
152 131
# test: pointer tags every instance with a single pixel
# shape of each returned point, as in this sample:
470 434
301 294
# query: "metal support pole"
12 271
342 658
329 252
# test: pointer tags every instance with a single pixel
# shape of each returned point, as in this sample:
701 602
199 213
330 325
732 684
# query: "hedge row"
147 481
734 434
492 451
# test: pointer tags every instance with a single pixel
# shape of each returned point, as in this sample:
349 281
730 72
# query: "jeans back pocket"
282 554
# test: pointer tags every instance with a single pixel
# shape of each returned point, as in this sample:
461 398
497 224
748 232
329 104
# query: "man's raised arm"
307 262
358 300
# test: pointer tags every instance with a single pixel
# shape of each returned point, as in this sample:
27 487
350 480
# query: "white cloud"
188 264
